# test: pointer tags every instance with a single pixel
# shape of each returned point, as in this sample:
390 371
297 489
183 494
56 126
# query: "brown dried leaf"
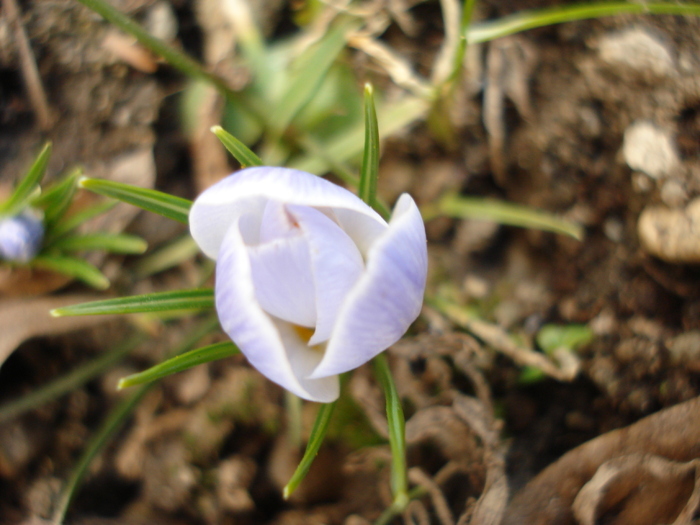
637 489
22 319
672 434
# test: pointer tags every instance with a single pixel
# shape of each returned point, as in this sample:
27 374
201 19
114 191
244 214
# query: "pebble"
684 349
638 50
671 234
650 149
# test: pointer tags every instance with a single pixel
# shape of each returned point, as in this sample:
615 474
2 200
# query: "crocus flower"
20 237
310 281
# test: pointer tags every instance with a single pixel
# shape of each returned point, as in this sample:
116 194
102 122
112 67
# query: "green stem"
397 433
318 433
525 20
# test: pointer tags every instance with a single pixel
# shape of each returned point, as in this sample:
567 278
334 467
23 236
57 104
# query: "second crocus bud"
21 237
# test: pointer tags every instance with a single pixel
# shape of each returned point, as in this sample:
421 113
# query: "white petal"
336 264
277 223
247 192
284 284
387 298
254 331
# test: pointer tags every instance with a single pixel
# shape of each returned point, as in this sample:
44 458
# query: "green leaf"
180 363
524 20
172 55
110 426
71 222
158 202
308 77
57 199
459 207
318 433
72 267
397 433
369 173
107 430
29 184
348 145
69 381
235 147
168 256
110 242
572 337
200 299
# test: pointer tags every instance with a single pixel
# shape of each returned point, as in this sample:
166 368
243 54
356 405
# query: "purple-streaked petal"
283 281
336 264
387 298
249 190
255 332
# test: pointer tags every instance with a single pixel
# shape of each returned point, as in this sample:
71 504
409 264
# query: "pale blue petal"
336 264
255 332
20 237
387 298
249 190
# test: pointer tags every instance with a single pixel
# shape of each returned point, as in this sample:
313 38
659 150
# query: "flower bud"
20 237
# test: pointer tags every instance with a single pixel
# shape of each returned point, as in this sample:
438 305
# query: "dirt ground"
595 121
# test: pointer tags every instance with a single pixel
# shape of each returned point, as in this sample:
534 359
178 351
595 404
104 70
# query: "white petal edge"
387 298
247 191
255 332
335 262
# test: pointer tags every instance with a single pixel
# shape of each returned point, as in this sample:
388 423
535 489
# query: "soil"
595 121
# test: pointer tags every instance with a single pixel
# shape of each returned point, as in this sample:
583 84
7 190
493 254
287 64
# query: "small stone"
649 149
684 349
475 286
638 50
671 235
673 193
614 229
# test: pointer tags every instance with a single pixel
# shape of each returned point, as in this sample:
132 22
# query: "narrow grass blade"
524 20
309 75
72 267
458 207
235 147
29 184
168 256
71 222
153 302
348 145
109 427
158 202
369 173
465 22
318 433
180 363
110 242
70 381
57 199
397 433
107 430
172 56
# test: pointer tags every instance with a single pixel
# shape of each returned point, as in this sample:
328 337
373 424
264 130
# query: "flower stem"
397 433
